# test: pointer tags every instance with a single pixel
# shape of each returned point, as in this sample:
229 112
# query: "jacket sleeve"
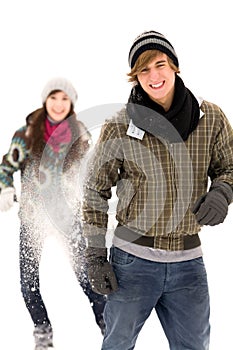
13 160
102 174
221 166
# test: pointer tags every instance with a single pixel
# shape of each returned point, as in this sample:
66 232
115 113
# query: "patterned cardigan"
50 179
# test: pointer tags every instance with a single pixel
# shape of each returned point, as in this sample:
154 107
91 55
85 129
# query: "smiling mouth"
157 86
56 112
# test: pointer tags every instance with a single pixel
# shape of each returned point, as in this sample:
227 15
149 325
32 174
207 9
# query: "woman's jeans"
177 291
31 245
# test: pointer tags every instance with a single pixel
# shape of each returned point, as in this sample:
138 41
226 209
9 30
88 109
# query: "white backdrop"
88 42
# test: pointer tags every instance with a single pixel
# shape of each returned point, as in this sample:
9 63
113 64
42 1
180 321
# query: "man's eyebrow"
162 61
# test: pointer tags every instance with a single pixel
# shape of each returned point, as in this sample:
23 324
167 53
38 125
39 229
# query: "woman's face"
58 106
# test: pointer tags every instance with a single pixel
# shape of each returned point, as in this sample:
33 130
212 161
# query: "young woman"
48 151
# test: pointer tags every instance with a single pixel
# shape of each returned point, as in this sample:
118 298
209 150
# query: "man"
160 152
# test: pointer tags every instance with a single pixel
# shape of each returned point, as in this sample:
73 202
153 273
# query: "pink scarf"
57 134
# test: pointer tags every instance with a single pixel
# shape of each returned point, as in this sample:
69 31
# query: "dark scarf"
183 114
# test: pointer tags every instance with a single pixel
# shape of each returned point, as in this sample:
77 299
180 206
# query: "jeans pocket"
120 257
198 266
198 261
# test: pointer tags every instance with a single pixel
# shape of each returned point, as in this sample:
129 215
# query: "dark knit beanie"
151 40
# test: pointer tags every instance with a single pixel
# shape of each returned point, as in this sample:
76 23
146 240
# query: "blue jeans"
177 291
30 251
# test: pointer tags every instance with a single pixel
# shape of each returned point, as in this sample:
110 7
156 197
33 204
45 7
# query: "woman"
48 151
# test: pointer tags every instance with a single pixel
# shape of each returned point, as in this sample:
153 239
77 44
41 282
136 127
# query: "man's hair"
143 60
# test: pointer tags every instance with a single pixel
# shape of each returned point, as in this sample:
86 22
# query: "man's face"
158 80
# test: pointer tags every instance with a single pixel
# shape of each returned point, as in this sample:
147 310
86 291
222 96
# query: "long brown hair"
36 127
35 134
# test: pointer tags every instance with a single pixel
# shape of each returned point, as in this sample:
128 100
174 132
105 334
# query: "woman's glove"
212 208
100 272
7 197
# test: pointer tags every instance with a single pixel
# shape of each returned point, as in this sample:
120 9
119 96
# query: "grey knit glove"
100 272
212 208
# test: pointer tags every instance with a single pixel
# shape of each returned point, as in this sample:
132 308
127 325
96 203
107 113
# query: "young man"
160 152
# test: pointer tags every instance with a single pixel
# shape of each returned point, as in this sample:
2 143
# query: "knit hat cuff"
151 41
60 84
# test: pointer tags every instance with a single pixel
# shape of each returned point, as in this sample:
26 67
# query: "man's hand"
212 208
100 272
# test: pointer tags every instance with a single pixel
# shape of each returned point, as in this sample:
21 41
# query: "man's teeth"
157 85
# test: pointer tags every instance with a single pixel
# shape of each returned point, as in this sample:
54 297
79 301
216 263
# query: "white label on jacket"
134 131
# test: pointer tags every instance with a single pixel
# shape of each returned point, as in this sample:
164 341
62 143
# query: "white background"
88 43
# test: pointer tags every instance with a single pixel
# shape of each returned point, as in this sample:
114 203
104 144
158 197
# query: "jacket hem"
184 242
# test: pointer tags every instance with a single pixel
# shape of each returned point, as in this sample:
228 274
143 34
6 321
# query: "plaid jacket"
157 182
